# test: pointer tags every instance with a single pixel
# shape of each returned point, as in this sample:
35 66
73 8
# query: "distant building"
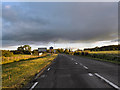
51 47
41 50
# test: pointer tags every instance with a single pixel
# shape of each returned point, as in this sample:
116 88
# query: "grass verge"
18 74
111 61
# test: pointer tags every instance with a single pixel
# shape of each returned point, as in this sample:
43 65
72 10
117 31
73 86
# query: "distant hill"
105 48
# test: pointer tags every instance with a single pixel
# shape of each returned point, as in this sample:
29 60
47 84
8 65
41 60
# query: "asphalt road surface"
69 71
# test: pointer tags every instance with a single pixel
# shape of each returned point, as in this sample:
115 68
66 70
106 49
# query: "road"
69 71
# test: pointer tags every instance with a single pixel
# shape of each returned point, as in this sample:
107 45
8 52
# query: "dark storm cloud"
47 22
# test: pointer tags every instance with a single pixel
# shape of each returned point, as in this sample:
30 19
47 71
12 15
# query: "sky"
59 24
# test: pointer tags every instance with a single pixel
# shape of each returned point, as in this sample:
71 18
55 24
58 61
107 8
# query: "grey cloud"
47 22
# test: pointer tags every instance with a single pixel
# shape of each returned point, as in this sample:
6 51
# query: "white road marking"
107 81
42 76
81 64
33 85
48 69
90 74
85 67
76 63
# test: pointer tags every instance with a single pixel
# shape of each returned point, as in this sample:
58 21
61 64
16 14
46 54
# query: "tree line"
104 48
26 49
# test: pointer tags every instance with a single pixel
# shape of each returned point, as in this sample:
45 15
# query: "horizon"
60 48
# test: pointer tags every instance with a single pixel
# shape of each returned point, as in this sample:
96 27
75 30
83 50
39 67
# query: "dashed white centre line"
81 64
107 81
76 63
48 69
85 67
42 76
33 85
90 74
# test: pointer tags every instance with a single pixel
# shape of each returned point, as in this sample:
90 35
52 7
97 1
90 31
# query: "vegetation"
110 56
17 74
7 53
26 49
66 51
104 52
105 48
16 58
35 52
60 50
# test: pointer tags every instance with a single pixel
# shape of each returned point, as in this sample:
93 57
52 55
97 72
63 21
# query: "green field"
109 56
104 52
19 73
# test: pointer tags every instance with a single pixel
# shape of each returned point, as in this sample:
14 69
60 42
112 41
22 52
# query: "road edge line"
33 85
107 81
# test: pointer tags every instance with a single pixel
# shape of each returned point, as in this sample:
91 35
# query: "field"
105 52
17 74
16 58
109 56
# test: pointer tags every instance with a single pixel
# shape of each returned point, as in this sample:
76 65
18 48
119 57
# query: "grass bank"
107 56
17 74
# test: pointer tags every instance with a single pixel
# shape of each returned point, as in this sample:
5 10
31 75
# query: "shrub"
71 53
35 52
7 53
84 53
76 53
27 52
17 52
66 51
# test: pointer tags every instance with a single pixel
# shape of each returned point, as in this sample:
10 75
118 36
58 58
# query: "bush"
66 51
21 52
84 53
71 53
27 52
35 52
7 53
17 52
76 53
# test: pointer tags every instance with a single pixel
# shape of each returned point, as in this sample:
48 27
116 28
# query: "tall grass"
104 52
15 58
17 74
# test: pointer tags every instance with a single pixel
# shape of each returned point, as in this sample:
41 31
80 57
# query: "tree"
62 50
20 48
66 51
27 48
